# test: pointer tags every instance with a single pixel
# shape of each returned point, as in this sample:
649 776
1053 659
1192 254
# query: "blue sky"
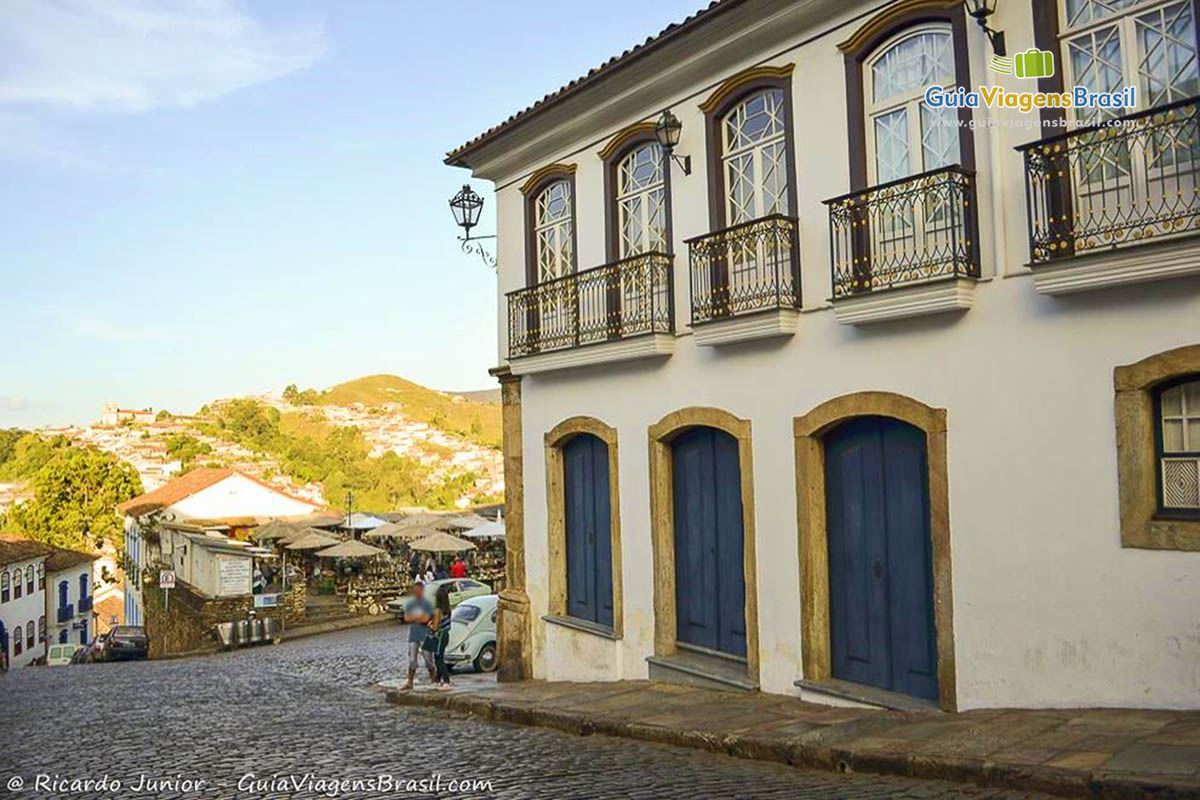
207 197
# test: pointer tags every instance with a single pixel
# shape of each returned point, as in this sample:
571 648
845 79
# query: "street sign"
166 579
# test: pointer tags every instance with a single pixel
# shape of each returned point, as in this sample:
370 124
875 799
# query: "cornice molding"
740 81
884 20
624 136
538 176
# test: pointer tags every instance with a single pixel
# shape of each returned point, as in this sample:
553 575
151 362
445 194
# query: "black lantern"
667 131
980 10
466 206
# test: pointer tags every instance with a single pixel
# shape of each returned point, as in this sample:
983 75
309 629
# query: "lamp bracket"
471 245
684 163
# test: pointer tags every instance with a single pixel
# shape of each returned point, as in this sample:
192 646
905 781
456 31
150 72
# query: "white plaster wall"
239 496
30 606
1049 610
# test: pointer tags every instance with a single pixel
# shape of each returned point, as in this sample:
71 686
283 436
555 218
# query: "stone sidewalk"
1080 752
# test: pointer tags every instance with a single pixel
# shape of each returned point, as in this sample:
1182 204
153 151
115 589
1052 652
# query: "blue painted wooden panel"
588 529
880 566
710 589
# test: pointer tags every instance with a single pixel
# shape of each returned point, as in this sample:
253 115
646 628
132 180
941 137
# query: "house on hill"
222 504
69 598
22 600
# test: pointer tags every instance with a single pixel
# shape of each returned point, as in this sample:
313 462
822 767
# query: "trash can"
241 633
256 630
225 634
270 629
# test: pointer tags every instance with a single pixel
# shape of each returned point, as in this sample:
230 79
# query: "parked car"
59 655
460 589
473 634
123 643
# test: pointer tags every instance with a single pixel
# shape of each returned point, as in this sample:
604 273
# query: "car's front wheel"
486 660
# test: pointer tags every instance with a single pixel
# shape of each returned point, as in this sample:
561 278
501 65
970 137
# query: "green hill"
472 420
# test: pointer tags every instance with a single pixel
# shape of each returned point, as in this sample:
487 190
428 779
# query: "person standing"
417 614
441 628
458 569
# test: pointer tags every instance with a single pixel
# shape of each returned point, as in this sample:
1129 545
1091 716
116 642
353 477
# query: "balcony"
616 312
745 281
66 613
1115 204
85 605
905 248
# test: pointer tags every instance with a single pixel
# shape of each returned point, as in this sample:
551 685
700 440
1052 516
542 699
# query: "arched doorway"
710 585
873 513
881 620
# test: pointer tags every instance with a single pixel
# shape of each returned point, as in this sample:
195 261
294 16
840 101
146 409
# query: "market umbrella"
441 542
417 521
392 530
311 540
351 549
489 530
464 523
272 531
359 521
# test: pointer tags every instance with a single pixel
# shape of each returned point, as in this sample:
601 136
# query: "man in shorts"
417 614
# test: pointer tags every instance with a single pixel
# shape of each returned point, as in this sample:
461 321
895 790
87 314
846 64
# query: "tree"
75 495
162 415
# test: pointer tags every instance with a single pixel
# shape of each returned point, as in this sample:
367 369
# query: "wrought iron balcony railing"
749 267
1130 180
85 605
66 613
626 298
904 232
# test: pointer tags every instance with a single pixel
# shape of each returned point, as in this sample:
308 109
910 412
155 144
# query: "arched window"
42 628
904 135
29 632
16 637
18 587
41 575
1178 437
4 587
641 199
754 158
62 636
553 231
64 591
29 579
83 587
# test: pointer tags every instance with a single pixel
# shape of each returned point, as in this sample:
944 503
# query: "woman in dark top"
441 629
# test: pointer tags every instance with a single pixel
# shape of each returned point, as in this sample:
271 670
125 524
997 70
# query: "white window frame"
563 227
645 193
1190 450
755 150
911 103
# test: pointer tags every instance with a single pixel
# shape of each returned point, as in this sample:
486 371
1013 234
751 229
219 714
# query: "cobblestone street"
309 708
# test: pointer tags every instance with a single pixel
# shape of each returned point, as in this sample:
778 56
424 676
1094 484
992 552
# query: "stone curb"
812 751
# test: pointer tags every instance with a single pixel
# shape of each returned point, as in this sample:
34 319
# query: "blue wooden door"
710 587
880 567
588 528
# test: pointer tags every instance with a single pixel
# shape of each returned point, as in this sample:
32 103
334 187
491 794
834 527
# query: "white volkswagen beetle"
473 634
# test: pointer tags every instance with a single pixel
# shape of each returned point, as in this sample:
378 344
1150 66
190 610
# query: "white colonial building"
850 396
204 512
69 596
23 599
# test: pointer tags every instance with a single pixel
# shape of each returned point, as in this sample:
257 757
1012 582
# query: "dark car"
124 642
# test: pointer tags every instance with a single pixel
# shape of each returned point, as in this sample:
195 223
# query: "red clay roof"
14 549
62 558
456 157
189 484
182 487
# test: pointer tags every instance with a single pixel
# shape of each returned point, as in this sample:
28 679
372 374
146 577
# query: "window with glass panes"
754 157
553 232
904 135
1179 445
1108 45
642 201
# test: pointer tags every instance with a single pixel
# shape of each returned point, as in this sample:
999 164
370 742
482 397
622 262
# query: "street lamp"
667 131
466 207
980 10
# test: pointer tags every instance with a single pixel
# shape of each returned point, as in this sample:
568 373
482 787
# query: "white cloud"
136 55
13 403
